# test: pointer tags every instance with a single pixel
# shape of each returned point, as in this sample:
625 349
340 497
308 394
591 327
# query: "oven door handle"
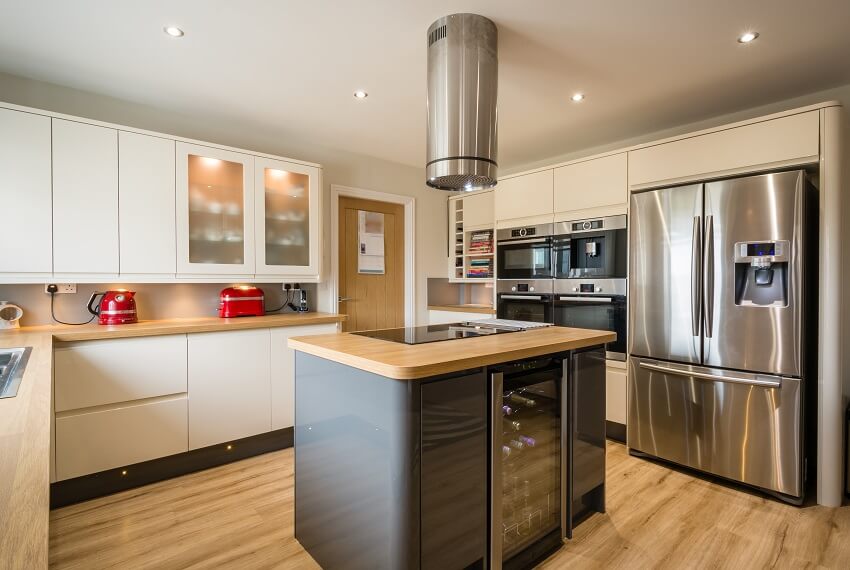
588 299
522 241
522 297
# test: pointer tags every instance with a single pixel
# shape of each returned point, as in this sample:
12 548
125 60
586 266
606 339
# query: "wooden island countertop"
411 362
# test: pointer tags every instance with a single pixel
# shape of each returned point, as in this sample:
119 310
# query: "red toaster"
241 301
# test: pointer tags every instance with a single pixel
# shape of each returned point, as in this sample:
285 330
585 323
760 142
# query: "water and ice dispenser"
761 273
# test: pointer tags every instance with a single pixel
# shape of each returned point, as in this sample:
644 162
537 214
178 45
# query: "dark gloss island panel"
490 467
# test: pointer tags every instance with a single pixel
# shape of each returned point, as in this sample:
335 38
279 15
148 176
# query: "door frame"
409 203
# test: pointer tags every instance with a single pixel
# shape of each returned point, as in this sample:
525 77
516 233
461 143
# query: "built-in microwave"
586 249
524 253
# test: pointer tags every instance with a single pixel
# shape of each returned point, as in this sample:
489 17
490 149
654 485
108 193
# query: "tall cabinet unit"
287 207
26 245
215 212
471 238
85 199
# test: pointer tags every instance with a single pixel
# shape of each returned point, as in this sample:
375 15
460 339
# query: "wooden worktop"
25 420
94 331
410 362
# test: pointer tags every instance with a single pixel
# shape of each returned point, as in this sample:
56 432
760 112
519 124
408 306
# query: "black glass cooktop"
434 333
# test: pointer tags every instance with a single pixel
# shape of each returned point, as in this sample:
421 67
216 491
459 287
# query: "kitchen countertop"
410 362
25 420
467 308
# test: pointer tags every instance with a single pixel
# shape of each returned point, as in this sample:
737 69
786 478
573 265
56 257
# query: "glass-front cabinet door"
215 211
287 218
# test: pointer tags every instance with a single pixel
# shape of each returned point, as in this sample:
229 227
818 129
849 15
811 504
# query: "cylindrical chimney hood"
462 83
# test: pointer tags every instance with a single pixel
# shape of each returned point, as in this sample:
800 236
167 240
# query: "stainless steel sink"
13 361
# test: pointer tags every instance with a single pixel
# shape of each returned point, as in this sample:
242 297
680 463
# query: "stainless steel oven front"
524 300
594 304
524 253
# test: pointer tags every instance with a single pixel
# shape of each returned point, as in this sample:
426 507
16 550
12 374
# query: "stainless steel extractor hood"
462 84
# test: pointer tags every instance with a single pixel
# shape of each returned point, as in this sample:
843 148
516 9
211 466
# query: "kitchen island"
399 447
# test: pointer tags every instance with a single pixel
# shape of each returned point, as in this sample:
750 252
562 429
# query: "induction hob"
436 333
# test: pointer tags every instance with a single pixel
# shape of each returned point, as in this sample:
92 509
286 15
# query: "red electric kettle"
115 308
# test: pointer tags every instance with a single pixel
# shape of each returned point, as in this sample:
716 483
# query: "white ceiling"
293 65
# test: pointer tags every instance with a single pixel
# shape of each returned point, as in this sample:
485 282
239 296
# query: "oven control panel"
522 288
587 288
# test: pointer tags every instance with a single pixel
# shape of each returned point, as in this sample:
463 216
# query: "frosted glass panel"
216 211
287 221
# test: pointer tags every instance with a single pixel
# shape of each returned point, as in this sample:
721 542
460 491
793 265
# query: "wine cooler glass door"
527 456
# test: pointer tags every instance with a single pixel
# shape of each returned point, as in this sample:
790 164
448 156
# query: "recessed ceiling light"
173 31
360 94
747 37
577 97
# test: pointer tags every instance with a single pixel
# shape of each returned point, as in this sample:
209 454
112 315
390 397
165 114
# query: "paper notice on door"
370 258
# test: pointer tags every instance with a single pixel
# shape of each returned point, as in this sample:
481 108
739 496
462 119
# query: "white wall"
340 167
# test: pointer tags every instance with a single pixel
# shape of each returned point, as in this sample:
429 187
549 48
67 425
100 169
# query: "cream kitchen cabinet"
85 200
437 317
783 141
26 245
616 392
592 188
287 205
478 211
525 196
116 405
146 221
229 386
283 371
215 212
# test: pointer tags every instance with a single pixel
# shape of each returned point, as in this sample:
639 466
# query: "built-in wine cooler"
536 431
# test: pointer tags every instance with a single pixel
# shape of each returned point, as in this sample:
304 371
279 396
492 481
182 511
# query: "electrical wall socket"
64 288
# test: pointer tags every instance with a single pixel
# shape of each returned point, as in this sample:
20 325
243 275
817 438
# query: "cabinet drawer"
119 370
796 137
105 439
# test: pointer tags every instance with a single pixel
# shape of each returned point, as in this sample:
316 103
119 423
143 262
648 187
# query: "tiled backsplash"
153 300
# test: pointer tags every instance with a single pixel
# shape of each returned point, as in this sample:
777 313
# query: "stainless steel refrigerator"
720 282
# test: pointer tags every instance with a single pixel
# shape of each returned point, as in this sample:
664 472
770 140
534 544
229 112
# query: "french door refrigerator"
720 282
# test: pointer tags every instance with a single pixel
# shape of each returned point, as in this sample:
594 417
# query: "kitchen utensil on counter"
241 301
116 307
10 315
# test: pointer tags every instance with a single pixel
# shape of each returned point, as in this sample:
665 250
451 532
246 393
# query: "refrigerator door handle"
497 381
760 382
696 275
708 272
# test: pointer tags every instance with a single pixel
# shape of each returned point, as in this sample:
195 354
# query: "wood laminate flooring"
241 516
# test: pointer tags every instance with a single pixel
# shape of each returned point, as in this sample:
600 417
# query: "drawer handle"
715 377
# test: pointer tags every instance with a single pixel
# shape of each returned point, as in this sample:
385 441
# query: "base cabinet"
283 371
616 392
99 440
229 386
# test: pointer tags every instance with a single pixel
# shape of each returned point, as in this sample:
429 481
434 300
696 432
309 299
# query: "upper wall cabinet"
478 211
85 199
287 206
525 196
215 212
148 245
597 187
26 245
794 139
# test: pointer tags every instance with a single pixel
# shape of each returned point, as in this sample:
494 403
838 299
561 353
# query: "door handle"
522 297
341 299
696 276
708 272
762 383
497 381
587 299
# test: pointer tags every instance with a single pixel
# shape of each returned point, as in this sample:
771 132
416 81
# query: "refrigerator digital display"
759 249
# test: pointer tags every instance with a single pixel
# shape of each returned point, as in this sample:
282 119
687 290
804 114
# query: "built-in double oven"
524 285
569 273
589 269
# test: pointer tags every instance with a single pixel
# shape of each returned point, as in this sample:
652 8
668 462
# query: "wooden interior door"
371 301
